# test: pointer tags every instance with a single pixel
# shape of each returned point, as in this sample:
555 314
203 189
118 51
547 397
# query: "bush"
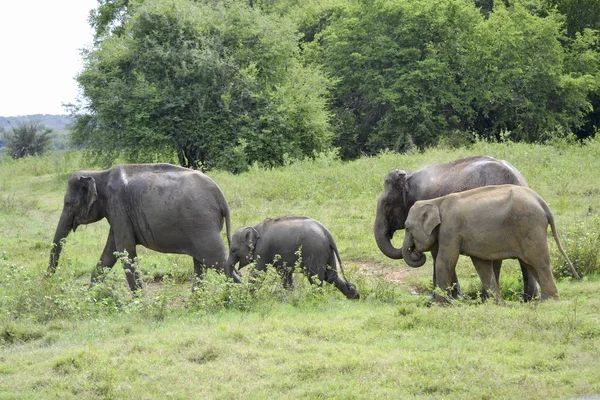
216 84
582 247
28 139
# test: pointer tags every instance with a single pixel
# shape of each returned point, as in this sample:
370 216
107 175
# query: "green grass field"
59 339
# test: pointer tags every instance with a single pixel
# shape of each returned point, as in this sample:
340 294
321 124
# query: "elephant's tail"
227 217
337 255
555 234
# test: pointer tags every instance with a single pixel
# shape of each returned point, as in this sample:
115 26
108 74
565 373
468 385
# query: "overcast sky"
39 54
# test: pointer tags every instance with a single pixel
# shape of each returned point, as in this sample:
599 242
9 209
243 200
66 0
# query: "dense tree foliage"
412 72
582 23
27 139
220 84
579 14
228 83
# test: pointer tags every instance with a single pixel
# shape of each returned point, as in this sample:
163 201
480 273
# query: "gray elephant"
282 241
402 189
487 223
163 207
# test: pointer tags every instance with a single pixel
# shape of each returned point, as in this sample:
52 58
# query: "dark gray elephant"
402 189
163 207
281 241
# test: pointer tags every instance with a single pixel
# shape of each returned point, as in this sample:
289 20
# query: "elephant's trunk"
412 257
230 271
383 237
65 224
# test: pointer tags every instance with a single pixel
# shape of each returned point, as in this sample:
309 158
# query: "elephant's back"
488 171
163 194
464 174
285 236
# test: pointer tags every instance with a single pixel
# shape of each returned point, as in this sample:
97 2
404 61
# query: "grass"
60 339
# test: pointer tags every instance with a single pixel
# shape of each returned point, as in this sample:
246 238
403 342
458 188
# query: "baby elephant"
282 241
487 223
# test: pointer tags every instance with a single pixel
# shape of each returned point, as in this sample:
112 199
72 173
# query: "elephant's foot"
530 295
454 294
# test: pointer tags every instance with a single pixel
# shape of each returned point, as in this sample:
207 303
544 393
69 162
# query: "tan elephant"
487 223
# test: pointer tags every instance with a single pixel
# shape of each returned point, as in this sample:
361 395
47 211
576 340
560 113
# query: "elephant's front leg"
125 242
445 270
456 292
485 270
107 259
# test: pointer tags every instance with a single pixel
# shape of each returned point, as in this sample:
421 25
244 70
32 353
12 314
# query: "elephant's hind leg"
209 253
543 274
199 269
485 270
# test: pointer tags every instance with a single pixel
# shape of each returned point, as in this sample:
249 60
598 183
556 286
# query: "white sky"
39 54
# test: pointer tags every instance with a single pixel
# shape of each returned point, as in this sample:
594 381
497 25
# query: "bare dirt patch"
392 274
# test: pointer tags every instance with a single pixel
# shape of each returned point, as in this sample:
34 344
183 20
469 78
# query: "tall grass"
58 338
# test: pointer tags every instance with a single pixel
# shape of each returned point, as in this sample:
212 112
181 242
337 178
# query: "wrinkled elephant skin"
402 189
283 242
163 207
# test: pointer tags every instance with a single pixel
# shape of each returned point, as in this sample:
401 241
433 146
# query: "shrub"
27 139
583 248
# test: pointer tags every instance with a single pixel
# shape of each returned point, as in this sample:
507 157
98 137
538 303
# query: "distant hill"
54 122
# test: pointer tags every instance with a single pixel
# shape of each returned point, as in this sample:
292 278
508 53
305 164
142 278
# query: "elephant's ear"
251 236
431 217
89 185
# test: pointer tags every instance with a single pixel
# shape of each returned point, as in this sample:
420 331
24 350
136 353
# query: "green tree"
582 23
411 72
395 87
27 139
218 84
519 78
583 62
579 14
109 18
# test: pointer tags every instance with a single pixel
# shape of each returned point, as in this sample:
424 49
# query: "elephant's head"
420 233
80 207
241 249
392 209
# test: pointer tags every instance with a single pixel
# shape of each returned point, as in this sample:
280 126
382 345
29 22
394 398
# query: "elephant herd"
476 206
